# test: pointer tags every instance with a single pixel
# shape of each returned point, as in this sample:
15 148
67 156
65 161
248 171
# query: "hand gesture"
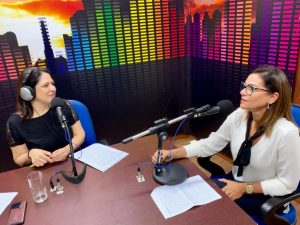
40 157
60 154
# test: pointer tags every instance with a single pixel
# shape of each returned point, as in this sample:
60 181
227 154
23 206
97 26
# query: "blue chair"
271 213
86 122
295 110
270 207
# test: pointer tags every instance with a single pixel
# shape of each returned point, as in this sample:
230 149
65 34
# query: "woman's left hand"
60 154
234 190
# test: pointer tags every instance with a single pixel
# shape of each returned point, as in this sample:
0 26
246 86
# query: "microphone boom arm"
161 124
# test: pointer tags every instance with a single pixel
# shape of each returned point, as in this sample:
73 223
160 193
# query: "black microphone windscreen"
226 106
56 102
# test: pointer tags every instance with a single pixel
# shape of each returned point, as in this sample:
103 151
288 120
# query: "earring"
268 106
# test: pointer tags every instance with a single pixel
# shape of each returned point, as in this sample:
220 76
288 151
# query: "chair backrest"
86 122
296 114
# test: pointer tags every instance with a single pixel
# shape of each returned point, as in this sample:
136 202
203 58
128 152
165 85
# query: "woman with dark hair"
264 142
34 133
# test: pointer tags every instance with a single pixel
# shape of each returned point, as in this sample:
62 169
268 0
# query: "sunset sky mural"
21 17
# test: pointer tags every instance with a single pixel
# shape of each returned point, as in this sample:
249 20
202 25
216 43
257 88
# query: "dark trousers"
249 203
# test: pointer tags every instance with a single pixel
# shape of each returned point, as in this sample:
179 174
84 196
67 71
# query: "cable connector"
53 187
59 187
139 176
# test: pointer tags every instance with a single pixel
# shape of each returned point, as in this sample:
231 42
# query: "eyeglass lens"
249 88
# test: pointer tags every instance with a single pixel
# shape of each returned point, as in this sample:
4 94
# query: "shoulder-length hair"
275 80
30 77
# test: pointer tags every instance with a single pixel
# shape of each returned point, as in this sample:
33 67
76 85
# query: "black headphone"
27 93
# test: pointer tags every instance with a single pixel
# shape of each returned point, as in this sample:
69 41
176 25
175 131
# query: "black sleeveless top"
43 132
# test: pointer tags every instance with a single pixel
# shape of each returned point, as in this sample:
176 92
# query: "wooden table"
114 197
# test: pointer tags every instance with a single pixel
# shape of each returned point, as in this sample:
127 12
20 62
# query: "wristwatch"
249 189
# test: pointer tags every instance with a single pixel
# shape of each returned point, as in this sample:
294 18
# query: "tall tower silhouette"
50 60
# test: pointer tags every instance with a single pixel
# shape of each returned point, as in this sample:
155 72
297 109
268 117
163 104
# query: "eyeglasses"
250 88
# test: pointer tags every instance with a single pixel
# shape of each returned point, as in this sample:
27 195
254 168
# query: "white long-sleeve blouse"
275 160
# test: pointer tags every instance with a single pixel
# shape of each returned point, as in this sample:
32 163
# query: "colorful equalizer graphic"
111 33
284 35
235 40
276 34
103 35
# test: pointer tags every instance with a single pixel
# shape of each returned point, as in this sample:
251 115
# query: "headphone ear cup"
27 93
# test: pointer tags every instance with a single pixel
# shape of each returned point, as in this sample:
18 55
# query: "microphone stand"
75 178
173 173
168 173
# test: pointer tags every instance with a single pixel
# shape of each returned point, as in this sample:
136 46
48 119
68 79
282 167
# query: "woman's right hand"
165 156
177 153
40 157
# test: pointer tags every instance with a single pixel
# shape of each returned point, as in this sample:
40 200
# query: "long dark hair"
33 75
275 80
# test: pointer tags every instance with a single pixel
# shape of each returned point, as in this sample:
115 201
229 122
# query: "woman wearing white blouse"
264 142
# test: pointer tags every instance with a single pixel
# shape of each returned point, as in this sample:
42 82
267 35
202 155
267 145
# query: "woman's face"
259 98
45 89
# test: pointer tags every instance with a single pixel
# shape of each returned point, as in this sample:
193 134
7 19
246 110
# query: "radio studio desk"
114 197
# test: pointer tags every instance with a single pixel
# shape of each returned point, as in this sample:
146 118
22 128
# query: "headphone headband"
27 73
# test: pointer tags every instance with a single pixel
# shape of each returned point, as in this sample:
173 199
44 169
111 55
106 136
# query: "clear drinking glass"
37 187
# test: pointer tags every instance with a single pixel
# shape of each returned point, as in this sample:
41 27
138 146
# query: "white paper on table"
5 199
99 156
176 199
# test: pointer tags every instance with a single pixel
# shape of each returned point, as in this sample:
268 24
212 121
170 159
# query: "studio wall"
135 61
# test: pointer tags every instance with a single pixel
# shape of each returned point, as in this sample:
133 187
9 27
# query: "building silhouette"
204 37
69 52
235 40
13 58
188 35
275 35
196 36
217 29
40 63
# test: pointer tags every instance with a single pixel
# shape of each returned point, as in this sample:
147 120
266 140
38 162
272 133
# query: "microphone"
175 173
57 104
226 106
223 106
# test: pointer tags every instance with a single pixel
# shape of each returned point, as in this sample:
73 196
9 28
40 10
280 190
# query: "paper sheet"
99 156
176 199
5 199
